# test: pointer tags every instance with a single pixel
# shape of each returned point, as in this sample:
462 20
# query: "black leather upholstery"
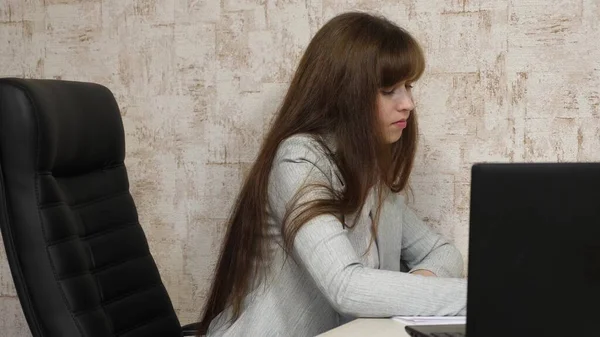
78 255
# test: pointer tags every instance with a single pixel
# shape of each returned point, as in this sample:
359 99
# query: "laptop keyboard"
444 334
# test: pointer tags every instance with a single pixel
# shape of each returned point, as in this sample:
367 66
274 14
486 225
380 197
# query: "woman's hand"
423 272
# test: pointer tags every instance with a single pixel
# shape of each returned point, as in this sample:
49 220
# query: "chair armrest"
191 330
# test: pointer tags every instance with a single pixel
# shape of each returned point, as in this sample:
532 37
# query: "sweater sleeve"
323 249
422 248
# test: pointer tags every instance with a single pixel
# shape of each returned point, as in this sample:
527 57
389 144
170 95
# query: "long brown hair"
333 92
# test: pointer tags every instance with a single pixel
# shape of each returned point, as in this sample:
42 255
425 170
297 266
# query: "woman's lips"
400 124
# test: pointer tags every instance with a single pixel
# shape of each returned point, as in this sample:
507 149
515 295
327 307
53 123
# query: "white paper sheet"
426 320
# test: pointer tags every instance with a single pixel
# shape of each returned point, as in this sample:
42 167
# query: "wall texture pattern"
197 82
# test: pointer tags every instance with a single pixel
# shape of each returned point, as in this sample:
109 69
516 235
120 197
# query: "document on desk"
427 320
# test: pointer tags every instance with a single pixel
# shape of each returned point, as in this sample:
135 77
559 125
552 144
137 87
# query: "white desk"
372 327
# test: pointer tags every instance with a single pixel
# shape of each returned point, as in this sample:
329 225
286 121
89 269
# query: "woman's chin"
392 138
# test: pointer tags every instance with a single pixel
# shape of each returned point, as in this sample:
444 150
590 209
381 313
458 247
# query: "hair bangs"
400 59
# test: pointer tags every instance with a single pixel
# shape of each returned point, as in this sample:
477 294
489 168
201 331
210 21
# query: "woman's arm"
323 249
425 250
326 253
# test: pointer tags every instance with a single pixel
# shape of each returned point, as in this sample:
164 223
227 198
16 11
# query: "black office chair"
78 255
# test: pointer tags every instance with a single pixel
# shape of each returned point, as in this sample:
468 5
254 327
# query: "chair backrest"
78 255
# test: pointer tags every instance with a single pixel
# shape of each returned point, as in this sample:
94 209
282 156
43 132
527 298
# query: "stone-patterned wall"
198 80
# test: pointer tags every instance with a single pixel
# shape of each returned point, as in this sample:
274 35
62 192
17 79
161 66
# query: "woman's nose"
404 101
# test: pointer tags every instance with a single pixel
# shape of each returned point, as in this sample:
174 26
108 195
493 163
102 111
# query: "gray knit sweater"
332 276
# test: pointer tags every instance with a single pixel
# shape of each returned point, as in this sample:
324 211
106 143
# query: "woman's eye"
409 86
387 92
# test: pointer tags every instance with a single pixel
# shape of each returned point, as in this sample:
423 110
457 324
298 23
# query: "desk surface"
372 327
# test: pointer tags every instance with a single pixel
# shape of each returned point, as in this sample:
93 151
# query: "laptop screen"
534 250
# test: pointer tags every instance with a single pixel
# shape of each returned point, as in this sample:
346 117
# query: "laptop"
534 252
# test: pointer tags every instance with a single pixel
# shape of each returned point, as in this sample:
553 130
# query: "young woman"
320 227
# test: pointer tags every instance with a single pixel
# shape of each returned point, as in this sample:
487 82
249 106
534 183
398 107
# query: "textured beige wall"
197 81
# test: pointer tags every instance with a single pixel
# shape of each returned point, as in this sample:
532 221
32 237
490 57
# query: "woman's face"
394 105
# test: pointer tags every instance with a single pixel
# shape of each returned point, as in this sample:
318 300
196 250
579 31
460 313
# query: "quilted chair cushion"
78 255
